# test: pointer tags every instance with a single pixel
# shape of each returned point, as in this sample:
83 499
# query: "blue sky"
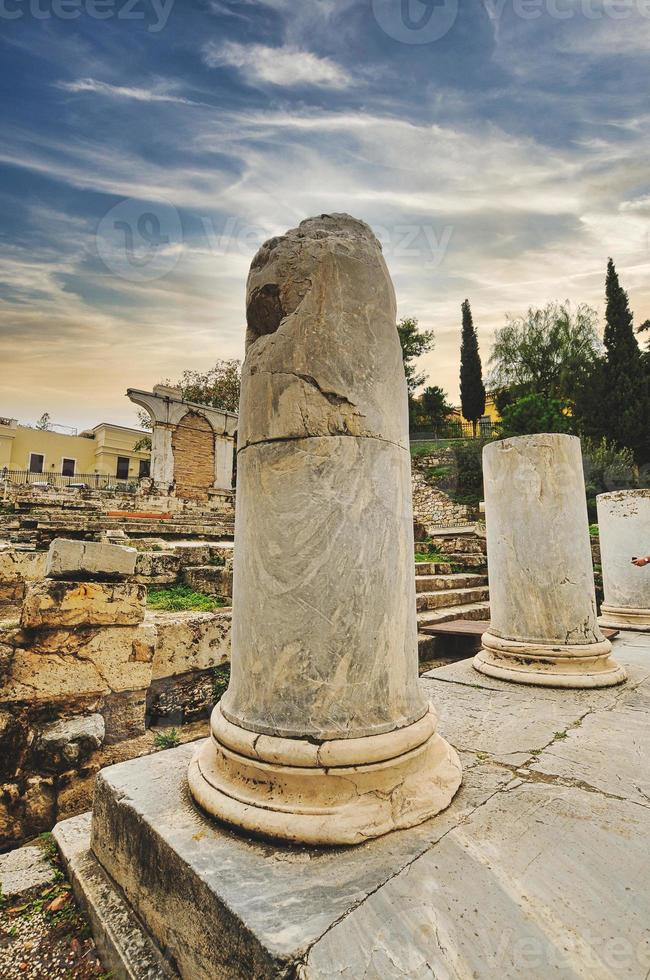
498 147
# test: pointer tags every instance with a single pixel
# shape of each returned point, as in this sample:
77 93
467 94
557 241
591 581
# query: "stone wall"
87 676
432 504
193 450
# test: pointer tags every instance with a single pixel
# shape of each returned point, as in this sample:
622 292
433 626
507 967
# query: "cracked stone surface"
538 868
324 634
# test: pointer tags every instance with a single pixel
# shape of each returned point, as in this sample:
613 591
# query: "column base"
343 791
624 618
553 665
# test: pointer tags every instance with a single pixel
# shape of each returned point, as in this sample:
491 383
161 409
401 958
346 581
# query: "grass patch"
593 530
167 740
220 680
178 598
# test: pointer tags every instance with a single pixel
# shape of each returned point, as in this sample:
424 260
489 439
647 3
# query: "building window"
36 462
145 468
68 466
123 467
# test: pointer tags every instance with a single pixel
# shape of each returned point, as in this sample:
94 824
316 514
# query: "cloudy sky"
498 147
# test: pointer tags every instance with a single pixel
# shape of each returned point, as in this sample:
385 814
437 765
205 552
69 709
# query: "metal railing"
57 481
454 430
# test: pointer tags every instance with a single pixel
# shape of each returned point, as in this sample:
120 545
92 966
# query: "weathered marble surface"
543 627
322 353
535 869
324 633
624 526
324 627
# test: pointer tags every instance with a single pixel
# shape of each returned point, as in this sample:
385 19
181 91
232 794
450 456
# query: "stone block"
191 553
75 791
64 664
89 559
181 699
69 742
210 579
16 565
157 567
23 870
125 715
51 604
190 641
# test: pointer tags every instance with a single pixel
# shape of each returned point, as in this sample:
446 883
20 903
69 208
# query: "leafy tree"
45 422
534 413
218 387
472 389
414 343
547 352
434 404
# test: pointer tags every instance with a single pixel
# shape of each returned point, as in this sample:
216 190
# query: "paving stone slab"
537 869
24 869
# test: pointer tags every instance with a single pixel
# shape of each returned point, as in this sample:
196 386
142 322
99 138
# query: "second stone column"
324 735
543 627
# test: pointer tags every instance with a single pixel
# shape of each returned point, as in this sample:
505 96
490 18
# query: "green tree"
45 422
218 387
547 352
434 404
615 398
472 389
534 413
414 343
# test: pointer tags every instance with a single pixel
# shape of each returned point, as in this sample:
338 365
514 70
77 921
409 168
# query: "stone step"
440 583
452 597
471 610
433 568
468 561
467 546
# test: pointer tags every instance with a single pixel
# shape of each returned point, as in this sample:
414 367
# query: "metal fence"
80 481
454 430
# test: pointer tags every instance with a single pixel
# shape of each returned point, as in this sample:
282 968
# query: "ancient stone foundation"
324 735
544 628
624 526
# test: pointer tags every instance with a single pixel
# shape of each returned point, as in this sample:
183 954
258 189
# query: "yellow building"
490 414
106 449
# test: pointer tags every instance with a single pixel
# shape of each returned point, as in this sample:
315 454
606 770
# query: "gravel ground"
46 938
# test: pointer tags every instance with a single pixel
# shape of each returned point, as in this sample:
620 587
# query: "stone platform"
538 868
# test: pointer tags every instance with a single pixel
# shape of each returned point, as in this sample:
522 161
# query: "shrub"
606 467
469 469
535 413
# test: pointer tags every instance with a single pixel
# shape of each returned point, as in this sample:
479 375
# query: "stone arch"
193 451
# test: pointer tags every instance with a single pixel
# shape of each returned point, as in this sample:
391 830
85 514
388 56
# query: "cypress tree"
472 389
625 379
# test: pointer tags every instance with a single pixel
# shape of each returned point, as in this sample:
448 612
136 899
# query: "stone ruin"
325 736
88 676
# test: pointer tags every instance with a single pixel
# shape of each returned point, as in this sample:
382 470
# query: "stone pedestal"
324 735
543 629
624 525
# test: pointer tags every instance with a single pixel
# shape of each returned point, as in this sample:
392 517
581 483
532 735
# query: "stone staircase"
456 588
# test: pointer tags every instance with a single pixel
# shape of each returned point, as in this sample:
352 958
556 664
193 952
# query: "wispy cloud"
283 66
123 91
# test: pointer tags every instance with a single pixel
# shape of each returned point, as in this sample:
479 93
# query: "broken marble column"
324 735
544 628
624 526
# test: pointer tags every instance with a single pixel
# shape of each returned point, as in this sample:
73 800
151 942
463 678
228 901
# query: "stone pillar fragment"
543 629
624 525
324 735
